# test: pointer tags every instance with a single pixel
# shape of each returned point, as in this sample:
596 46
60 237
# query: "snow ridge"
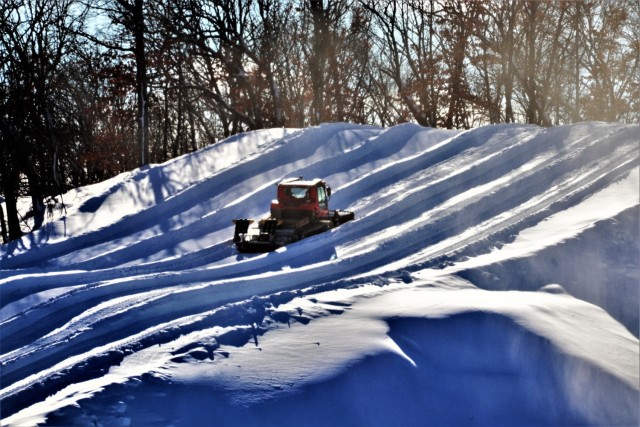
146 259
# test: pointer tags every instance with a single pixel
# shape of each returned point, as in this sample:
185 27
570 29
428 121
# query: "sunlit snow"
491 277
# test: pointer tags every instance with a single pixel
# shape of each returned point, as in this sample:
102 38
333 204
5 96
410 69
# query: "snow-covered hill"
490 277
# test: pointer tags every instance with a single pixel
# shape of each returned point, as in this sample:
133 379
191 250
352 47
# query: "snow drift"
490 277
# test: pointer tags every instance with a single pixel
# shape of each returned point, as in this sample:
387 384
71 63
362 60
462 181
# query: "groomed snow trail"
147 257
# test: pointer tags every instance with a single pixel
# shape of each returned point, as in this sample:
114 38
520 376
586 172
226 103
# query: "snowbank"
490 277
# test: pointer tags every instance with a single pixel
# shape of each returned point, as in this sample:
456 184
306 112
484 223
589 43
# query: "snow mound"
490 277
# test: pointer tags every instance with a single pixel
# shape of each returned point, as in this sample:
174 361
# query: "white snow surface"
491 277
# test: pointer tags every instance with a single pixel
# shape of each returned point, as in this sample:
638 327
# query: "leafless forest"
92 88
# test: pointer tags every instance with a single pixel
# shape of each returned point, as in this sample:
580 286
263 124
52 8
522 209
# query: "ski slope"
503 260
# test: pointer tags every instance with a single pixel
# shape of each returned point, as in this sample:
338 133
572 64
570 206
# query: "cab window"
296 192
322 197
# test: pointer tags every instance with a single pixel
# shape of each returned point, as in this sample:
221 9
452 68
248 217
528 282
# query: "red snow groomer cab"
301 210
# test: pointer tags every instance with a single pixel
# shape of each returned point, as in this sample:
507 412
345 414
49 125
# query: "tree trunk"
138 28
134 21
319 58
3 225
35 190
15 232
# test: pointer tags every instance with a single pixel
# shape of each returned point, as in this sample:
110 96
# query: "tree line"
93 88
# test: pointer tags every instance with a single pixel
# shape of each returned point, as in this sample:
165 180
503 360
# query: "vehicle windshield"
297 192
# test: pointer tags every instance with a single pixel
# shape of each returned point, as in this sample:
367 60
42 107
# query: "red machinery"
302 210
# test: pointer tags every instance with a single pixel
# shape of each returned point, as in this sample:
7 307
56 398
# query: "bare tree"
410 52
35 38
612 60
133 18
458 21
130 16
